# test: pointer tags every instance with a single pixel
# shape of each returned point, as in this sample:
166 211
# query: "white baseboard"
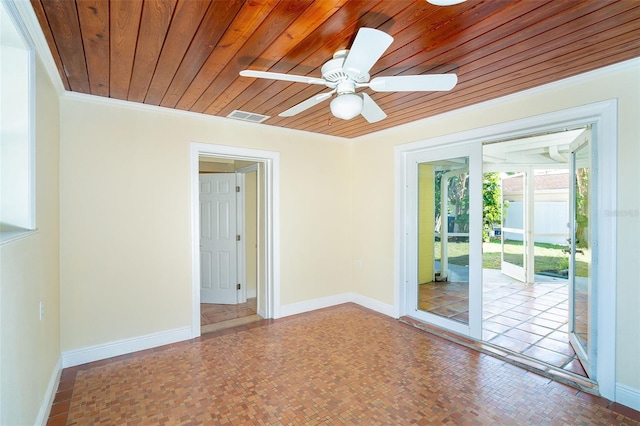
374 305
338 299
108 350
628 396
49 394
312 305
251 293
126 346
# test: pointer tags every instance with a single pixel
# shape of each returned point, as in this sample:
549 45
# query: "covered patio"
527 319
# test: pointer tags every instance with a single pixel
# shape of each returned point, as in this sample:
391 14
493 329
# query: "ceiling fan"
348 70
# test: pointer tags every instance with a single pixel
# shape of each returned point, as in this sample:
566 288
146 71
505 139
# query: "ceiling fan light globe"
445 2
346 106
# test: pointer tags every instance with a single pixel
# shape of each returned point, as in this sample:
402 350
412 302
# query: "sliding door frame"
603 116
473 152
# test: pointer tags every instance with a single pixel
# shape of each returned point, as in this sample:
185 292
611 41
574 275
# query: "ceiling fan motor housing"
346 86
333 72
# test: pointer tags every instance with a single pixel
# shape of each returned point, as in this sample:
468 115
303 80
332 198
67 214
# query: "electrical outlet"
358 264
41 310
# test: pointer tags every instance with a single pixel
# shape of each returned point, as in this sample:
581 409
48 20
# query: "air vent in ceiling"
247 116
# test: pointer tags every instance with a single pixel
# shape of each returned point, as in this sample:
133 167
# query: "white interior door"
218 243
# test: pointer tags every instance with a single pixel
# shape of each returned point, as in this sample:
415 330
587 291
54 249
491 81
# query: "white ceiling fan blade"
284 77
304 105
367 48
414 83
370 109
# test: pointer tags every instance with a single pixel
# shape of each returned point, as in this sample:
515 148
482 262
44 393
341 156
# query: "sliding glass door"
582 307
445 194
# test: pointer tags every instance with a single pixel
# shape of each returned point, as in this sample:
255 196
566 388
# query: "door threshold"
549 371
209 328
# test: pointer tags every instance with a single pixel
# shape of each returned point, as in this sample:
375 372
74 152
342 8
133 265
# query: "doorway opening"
234 233
535 282
232 280
587 308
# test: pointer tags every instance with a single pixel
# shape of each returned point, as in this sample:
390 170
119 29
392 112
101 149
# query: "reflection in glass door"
443 241
445 288
581 290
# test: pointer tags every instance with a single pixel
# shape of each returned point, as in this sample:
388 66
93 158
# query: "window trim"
30 221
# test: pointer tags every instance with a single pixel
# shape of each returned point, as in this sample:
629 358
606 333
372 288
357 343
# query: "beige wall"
373 175
125 267
215 167
30 348
426 215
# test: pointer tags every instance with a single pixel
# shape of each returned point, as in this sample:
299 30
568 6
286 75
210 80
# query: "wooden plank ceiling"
186 54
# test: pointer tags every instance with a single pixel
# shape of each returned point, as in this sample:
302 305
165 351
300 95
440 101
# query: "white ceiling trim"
577 79
30 21
119 103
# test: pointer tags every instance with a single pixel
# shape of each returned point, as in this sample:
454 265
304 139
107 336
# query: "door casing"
270 161
242 227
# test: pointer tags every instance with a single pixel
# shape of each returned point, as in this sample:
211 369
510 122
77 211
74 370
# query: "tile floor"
531 320
341 365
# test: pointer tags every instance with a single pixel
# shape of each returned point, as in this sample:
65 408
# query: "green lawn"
548 257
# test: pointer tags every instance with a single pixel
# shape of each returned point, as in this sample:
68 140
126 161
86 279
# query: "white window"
17 158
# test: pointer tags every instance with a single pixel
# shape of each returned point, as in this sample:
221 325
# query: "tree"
459 202
582 206
459 199
491 208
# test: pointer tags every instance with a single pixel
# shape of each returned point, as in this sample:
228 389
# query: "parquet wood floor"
340 365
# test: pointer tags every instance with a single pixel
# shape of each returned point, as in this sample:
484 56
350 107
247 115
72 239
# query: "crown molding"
576 79
30 21
119 103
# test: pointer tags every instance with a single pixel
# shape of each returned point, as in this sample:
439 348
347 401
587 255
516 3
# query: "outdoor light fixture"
346 106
